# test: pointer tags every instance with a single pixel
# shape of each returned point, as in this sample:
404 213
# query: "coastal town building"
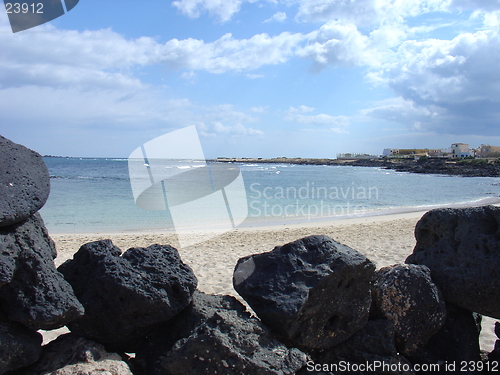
457 150
411 152
488 151
460 150
350 156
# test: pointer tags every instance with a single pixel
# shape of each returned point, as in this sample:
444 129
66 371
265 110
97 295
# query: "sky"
258 78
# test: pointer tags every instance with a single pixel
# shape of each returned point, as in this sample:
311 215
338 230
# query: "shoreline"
444 166
376 215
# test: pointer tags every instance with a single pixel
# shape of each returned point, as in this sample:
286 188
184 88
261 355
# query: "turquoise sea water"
95 195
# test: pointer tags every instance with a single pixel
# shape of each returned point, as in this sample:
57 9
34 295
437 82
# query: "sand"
385 240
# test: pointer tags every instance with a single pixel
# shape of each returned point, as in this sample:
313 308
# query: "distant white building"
460 150
390 151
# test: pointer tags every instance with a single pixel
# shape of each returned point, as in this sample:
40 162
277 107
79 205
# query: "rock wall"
319 304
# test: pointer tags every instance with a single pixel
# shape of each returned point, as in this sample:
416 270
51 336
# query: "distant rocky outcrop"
465 168
313 293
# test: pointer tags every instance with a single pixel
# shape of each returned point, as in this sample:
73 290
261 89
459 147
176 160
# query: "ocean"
95 195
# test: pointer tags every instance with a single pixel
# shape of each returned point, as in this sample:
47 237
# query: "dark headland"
462 167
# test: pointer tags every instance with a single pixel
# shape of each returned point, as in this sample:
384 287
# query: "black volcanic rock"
152 349
34 293
71 354
462 249
126 296
455 342
406 295
373 345
24 182
313 293
465 168
19 346
231 342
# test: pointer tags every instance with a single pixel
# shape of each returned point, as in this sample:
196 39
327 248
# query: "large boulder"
313 293
456 342
70 354
126 296
34 293
406 295
462 249
24 182
152 349
19 346
371 350
230 342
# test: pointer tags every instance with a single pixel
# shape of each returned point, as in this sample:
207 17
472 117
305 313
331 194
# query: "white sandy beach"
385 240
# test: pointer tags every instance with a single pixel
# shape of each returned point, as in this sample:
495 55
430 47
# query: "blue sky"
258 78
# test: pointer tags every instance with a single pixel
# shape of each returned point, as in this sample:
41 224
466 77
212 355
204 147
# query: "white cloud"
442 85
491 20
337 43
255 76
301 116
277 17
488 5
457 79
189 76
73 59
226 113
233 131
365 12
104 58
229 54
404 112
259 109
222 9
300 109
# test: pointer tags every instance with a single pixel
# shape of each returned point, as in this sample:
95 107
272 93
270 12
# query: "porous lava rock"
371 350
461 247
126 296
231 342
406 295
456 342
19 346
151 350
34 293
24 182
71 354
313 293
